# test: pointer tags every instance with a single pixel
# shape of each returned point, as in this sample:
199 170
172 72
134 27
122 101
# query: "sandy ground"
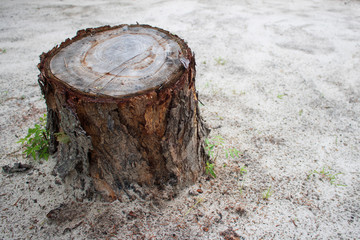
279 81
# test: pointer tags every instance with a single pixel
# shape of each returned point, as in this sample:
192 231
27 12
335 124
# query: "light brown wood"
125 96
119 62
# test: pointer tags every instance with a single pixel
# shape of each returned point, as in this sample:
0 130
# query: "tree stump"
123 111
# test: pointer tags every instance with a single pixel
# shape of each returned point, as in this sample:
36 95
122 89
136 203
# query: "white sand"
308 51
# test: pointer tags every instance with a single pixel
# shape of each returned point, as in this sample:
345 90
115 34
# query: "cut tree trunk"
123 112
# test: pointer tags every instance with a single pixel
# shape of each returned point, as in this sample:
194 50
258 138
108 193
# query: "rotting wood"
125 97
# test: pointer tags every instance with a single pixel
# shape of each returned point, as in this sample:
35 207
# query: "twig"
197 202
73 227
15 204
11 153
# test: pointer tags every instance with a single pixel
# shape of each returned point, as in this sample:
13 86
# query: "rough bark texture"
148 142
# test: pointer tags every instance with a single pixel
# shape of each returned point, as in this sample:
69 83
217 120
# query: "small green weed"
213 147
232 152
242 172
207 84
217 142
210 144
36 141
220 61
209 148
328 175
3 50
267 194
280 96
209 169
301 112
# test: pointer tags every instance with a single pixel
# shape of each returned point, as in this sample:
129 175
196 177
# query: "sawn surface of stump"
124 100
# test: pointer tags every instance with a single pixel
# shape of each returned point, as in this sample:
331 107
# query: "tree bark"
123 112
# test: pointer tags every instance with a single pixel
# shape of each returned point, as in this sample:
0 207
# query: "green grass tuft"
36 142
